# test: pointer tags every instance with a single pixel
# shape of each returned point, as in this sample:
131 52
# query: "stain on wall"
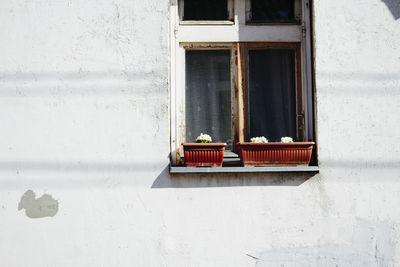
45 206
371 246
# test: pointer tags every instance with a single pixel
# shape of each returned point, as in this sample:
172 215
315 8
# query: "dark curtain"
272 10
272 93
205 10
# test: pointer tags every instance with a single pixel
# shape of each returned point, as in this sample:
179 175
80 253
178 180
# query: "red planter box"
204 154
275 154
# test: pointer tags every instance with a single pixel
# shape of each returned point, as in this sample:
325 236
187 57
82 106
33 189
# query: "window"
247 78
205 10
208 95
273 11
272 93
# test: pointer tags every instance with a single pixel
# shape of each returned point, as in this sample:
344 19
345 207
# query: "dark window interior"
205 10
208 95
272 11
272 93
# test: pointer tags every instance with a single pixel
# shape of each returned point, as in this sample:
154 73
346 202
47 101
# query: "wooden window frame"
244 103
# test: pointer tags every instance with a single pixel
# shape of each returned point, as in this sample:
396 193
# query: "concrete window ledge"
174 169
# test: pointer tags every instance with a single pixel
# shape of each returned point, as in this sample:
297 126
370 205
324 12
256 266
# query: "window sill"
175 169
273 23
206 22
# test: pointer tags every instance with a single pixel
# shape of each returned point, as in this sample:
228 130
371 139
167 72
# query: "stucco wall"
84 121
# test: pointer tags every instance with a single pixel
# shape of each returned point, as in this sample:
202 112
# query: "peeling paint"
45 206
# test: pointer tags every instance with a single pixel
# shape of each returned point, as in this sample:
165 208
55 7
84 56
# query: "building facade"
88 109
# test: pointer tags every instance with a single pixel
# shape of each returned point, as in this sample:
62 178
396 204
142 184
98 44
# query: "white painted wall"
84 118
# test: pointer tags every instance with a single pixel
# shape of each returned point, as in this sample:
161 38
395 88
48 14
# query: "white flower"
286 139
260 139
204 138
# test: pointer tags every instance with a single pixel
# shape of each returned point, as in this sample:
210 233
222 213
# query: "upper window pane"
272 11
272 93
208 95
205 10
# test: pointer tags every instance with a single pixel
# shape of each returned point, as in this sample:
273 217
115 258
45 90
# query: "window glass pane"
205 10
272 10
208 95
272 95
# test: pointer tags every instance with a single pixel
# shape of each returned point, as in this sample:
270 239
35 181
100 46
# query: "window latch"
303 29
176 31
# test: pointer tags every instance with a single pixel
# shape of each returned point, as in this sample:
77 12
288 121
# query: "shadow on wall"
357 168
93 172
371 246
192 180
100 83
394 7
